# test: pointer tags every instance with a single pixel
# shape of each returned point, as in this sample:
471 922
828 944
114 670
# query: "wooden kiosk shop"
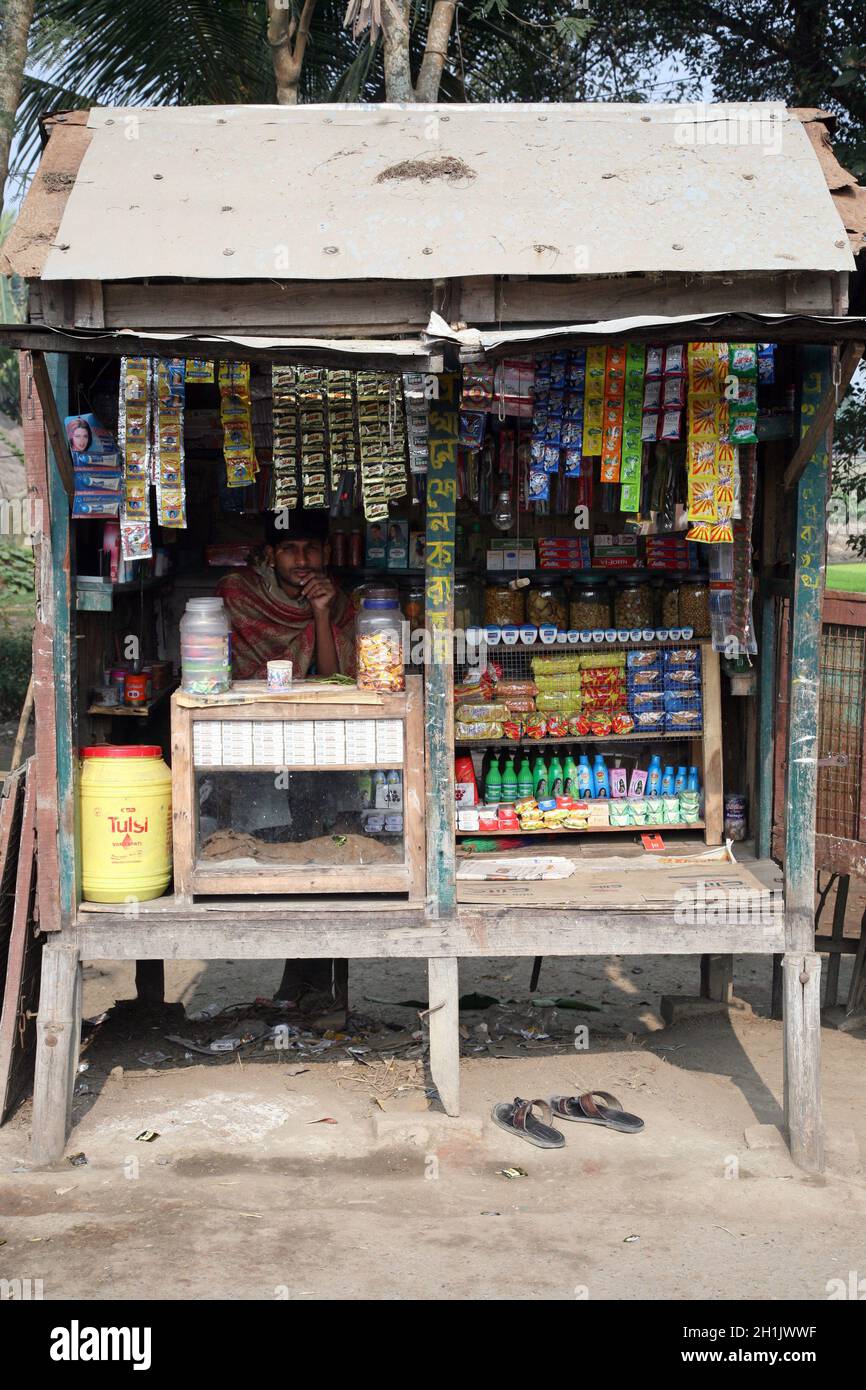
477 247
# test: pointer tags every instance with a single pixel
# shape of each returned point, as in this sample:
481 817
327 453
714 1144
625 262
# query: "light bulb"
503 511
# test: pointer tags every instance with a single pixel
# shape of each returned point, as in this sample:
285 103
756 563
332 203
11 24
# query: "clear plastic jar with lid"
695 607
546 605
633 604
503 606
590 604
205 647
379 645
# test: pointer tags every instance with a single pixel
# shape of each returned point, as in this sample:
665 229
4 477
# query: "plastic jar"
669 607
463 610
503 606
545 605
205 647
590 604
695 607
125 794
633 603
379 645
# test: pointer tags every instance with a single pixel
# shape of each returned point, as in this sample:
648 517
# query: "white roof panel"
325 192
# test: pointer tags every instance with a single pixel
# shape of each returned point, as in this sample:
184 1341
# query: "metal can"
356 549
340 549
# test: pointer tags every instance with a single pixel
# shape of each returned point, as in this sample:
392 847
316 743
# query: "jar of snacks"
633 603
695 607
463 607
669 606
590 604
379 645
503 606
545 605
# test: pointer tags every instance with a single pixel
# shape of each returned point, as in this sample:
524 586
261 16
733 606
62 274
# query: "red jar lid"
123 750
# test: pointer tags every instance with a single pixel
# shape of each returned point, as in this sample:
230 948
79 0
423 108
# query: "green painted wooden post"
65 702
802 752
766 727
439 618
801 966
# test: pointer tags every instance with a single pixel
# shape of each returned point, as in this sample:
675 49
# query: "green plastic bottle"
493 782
539 779
569 776
509 780
524 779
555 778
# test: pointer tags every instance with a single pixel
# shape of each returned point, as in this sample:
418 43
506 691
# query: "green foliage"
16 573
15 667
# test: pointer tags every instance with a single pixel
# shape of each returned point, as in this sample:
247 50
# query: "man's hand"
320 592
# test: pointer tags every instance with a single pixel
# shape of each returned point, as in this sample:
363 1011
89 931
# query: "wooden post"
717 978
801 1029
444 1022
831 989
801 989
441 896
58 1031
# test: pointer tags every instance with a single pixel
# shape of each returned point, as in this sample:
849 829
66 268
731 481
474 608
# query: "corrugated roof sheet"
350 192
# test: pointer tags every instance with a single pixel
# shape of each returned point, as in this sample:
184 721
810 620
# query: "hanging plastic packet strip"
284 472
573 414
632 446
199 371
593 401
133 437
614 399
236 418
170 400
417 409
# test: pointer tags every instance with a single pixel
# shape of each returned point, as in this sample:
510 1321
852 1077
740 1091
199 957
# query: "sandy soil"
244 1196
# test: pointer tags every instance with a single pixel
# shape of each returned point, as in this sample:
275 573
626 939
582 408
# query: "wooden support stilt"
58 1032
717 978
801 987
444 1022
831 989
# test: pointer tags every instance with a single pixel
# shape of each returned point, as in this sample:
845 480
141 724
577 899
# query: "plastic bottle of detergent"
555 777
569 777
585 788
654 776
668 782
539 779
493 782
509 780
600 779
524 779
693 784
680 781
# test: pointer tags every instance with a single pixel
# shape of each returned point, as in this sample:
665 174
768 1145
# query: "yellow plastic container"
125 823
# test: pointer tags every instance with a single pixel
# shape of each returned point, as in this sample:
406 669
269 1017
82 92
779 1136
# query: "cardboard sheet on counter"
256 692
616 885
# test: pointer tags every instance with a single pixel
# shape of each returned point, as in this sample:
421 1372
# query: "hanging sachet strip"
133 437
284 474
237 423
593 402
614 399
630 466
168 453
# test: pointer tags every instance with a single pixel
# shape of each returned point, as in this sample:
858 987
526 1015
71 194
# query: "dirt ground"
248 1194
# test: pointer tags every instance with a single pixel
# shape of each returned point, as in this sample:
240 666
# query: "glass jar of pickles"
545 605
590 604
633 605
503 606
695 607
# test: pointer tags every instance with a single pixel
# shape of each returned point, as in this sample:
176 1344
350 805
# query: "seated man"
287 608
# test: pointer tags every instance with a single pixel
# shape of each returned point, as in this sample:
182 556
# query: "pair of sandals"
592 1108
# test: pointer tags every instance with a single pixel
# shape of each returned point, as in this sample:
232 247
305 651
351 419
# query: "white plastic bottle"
205 647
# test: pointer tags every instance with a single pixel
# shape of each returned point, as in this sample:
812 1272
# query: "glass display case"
319 790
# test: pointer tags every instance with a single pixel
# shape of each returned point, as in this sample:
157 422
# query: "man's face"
296 560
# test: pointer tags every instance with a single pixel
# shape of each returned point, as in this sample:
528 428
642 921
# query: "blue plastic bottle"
668 782
585 787
654 776
680 783
600 778
693 785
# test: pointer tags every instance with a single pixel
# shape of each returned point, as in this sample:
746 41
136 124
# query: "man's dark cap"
295 524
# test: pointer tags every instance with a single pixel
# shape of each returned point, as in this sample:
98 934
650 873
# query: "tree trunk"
435 51
13 53
395 32
288 38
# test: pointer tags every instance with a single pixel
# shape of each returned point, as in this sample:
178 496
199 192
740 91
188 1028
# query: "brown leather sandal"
517 1116
584 1110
